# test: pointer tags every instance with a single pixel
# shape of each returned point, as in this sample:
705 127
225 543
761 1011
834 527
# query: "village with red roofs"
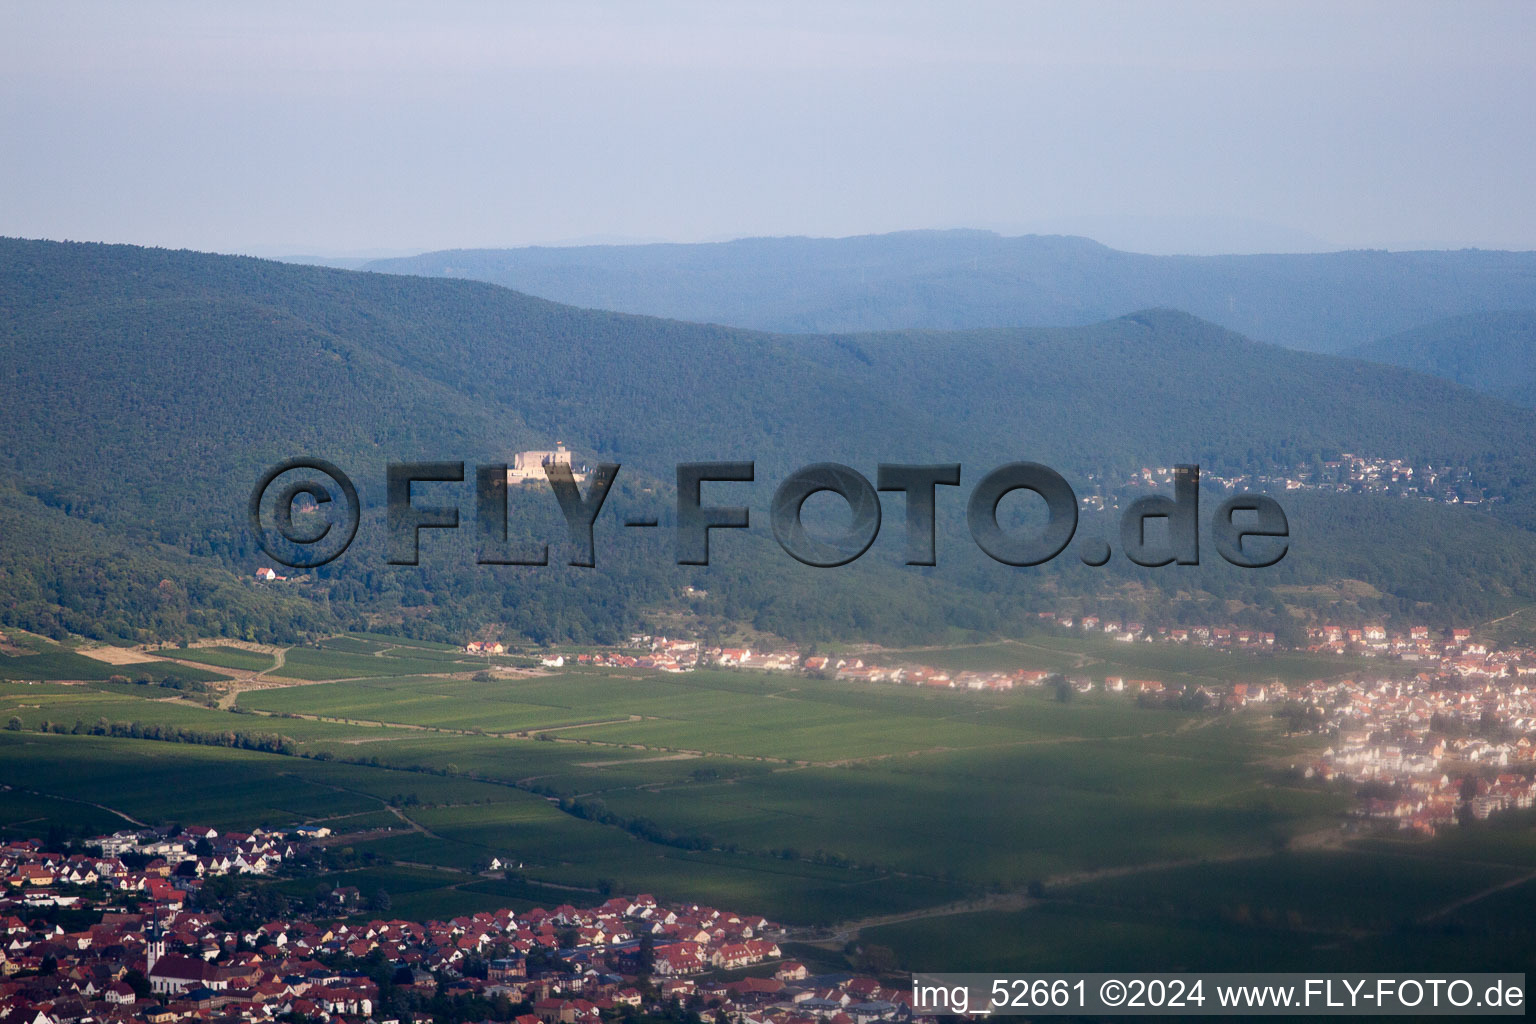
159 951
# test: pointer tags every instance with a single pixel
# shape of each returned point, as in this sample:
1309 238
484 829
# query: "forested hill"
147 389
1325 302
1491 352
146 358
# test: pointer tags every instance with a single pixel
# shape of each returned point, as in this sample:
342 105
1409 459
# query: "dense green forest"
61 574
1324 302
1494 353
148 389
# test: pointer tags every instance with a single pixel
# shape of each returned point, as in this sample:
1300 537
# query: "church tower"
156 948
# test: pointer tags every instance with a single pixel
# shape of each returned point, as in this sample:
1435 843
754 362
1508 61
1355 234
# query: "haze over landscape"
1255 283
289 128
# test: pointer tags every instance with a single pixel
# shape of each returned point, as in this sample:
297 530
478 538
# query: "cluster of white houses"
1347 474
144 864
1433 748
1447 653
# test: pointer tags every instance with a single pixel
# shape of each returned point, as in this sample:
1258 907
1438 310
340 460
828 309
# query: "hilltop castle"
528 467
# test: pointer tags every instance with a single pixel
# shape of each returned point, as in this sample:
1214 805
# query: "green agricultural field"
421 892
1368 911
1508 838
173 782
323 663
217 786
558 769
1024 778
385 640
158 670
361 821
24 813
812 801
65 705
1516 629
395 880
732 714
1002 655
1056 937
61 664
1332 890
1098 656
354 644
453 704
228 657
996 817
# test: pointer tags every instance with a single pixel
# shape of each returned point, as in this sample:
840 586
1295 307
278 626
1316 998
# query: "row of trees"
267 743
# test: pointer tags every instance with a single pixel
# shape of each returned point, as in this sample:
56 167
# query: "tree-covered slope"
61 574
1324 302
1494 353
179 369
147 390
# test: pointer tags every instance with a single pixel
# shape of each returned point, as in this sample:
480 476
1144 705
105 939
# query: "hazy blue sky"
329 128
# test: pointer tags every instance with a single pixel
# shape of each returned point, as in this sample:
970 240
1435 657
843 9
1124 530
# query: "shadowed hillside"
157 385
1494 353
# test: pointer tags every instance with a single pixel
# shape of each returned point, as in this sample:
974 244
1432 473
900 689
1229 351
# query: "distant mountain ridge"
149 388
1494 353
1325 302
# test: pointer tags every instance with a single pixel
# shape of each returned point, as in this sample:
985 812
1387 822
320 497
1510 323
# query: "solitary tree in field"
14 724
